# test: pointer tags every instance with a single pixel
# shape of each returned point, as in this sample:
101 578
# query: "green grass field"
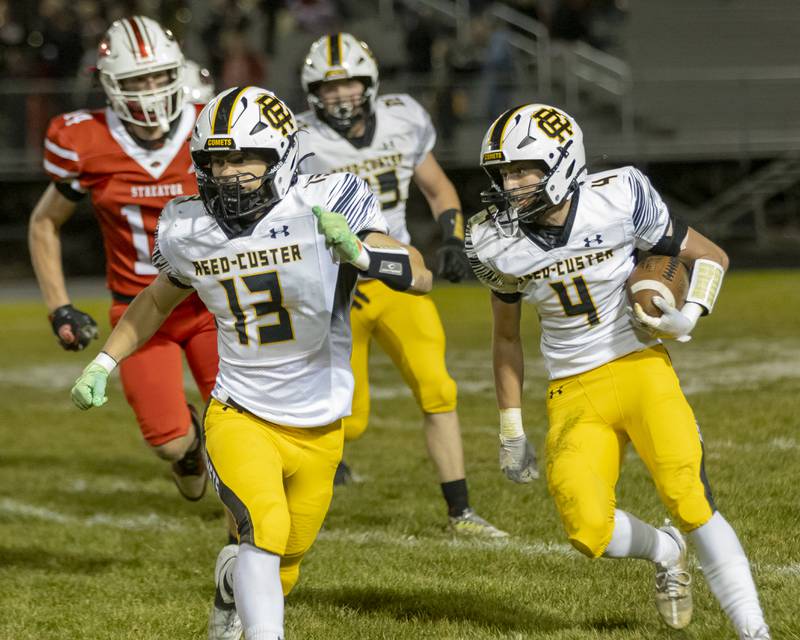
96 544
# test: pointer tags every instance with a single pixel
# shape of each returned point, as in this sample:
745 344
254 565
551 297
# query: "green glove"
90 387
337 234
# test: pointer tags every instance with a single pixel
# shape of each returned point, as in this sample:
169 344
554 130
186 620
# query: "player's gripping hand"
338 236
674 324
89 389
518 459
73 328
452 261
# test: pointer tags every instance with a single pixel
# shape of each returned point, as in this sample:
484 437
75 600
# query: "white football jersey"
578 285
281 301
403 136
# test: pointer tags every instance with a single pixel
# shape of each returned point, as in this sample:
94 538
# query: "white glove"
518 459
674 324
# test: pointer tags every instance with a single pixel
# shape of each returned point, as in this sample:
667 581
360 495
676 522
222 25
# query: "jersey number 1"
585 305
141 244
257 283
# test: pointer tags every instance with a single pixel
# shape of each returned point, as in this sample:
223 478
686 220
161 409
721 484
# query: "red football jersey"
129 185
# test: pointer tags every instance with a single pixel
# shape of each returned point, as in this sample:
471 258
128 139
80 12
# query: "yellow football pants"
276 481
409 330
593 415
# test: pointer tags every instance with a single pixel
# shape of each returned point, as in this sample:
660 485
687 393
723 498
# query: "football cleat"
470 523
223 621
674 585
190 473
343 474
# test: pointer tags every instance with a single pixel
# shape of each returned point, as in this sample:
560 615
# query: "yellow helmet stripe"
499 127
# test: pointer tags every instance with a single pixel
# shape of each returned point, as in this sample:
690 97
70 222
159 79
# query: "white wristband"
705 283
362 261
511 423
106 361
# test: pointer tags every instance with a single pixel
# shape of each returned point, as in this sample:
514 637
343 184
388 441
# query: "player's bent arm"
421 277
143 317
44 242
708 264
140 321
451 263
507 355
437 188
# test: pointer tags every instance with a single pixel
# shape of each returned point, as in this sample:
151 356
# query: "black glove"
73 328
452 261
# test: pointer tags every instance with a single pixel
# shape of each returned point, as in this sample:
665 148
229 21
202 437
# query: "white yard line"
150 521
154 522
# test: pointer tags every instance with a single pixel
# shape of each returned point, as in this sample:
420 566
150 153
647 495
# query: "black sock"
455 494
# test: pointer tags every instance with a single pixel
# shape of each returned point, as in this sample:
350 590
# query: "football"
663 276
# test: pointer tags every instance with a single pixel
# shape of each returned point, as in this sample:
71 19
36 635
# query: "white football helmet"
245 119
339 56
139 46
539 133
198 83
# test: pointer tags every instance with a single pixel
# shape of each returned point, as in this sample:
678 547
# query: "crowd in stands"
239 41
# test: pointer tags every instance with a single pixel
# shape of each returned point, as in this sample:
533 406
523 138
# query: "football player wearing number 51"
131 158
275 257
566 242
388 140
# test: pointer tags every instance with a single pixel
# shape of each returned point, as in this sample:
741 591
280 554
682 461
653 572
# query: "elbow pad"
392 266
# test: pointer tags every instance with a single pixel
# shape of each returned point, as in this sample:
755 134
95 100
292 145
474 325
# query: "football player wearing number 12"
387 140
565 242
132 158
275 257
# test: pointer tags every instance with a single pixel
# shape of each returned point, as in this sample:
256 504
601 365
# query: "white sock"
262 633
259 597
633 538
727 572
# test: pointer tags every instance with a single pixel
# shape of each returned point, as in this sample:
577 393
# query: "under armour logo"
556 392
587 241
285 231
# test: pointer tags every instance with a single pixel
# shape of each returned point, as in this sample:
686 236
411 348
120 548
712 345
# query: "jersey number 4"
585 304
280 331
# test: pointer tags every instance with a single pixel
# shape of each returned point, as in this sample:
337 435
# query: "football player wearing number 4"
132 158
565 242
387 140
275 257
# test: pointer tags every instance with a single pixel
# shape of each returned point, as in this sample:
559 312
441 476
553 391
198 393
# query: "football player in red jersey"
132 158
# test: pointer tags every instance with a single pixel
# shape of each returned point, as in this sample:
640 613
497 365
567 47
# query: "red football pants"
153 376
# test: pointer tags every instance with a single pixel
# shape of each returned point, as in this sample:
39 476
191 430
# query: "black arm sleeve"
670 243
68 192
